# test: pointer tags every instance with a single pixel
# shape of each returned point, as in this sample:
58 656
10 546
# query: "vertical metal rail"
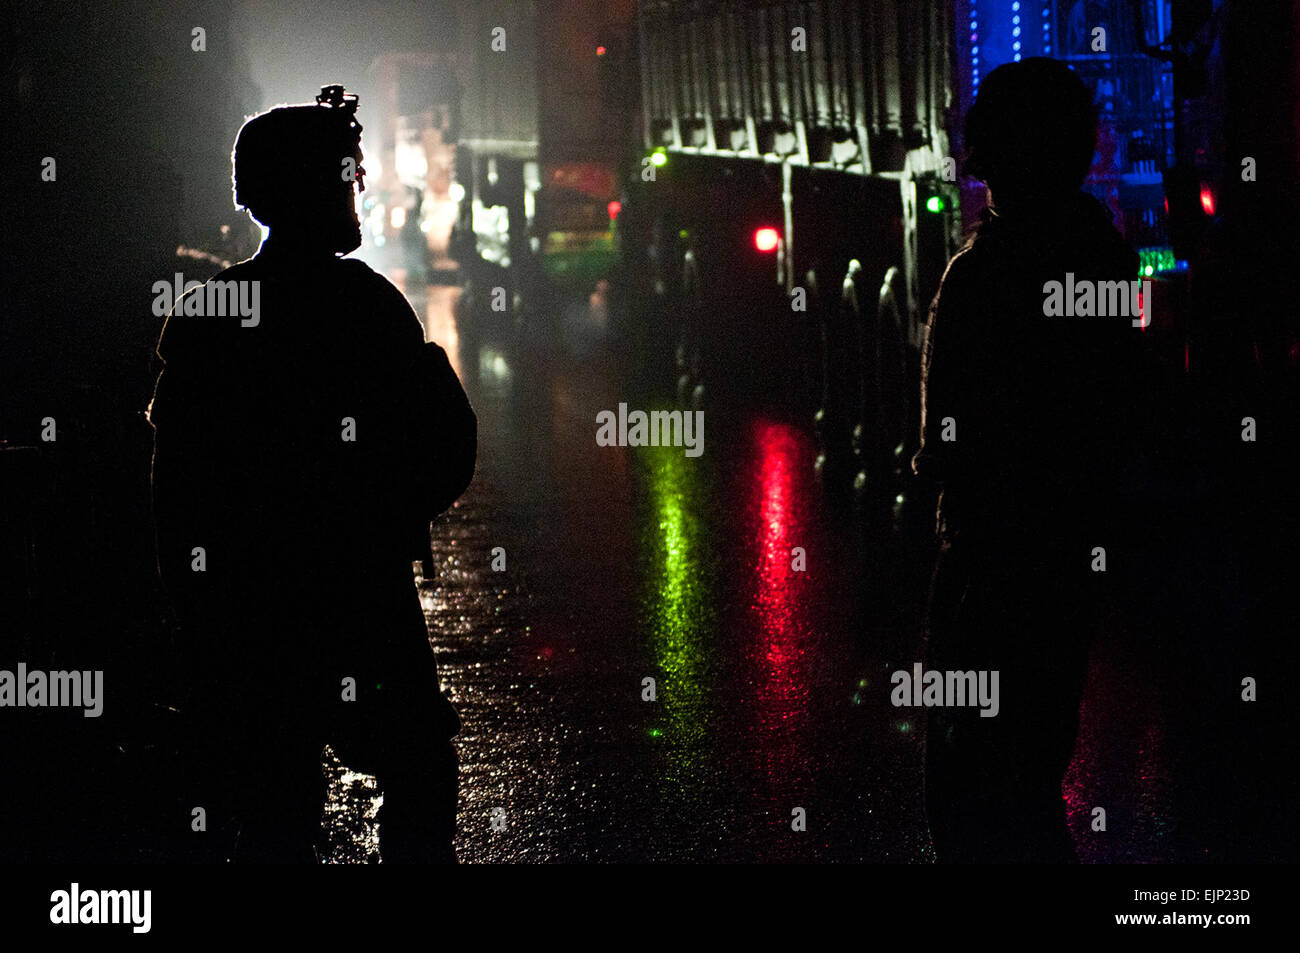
787 205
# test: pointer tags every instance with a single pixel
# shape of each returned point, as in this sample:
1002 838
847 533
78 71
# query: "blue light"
974 49
1015 45
1015 31
1015 20
1015 7
1016 57
1047 48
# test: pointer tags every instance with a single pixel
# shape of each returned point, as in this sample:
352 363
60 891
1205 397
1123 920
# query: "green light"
683 234
904 726
656 733
658 158
1156 259
934 204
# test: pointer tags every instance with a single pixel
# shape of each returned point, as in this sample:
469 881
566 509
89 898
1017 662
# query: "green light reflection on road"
678 604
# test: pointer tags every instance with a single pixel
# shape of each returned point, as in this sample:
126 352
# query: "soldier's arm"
450 431
179 478
437 432
196 422
942 366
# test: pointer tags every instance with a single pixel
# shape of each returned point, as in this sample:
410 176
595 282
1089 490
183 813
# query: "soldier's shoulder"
964 262
963 269
395 315
358 272
188 307
244 270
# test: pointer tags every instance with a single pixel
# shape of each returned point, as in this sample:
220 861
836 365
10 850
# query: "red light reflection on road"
783 600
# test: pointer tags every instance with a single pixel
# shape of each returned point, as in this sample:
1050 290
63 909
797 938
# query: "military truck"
795 207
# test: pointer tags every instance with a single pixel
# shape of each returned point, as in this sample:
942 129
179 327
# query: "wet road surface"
771 681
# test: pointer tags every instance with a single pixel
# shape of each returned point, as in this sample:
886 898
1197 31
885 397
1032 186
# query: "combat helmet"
290 153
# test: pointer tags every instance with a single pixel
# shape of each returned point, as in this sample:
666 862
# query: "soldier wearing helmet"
299 459
1027 425
294 167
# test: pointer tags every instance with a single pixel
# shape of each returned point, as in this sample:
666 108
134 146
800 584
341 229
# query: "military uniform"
305 453
1041 411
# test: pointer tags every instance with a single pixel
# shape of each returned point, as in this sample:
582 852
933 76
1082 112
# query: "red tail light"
767 239
1207 199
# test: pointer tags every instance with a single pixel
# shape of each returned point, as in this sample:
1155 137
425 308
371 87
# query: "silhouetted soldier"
1027 421
300 455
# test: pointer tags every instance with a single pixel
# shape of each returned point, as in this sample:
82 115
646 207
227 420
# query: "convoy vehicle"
797 206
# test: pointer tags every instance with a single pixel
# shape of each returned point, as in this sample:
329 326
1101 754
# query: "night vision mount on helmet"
296 144
337 97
